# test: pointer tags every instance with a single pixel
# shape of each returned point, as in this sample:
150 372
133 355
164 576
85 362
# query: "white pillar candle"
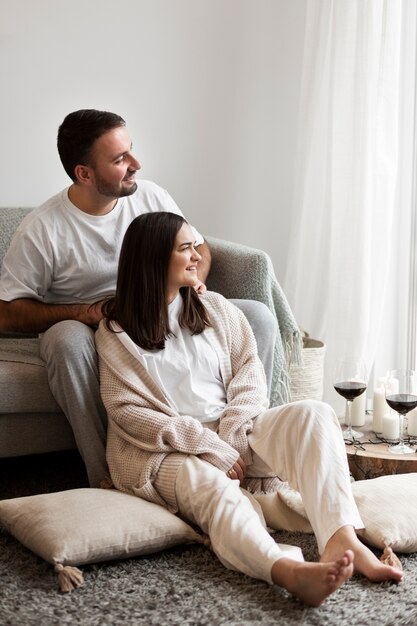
380 407
412 423
391 384
391 426
358 409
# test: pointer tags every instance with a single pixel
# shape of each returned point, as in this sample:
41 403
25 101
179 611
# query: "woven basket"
306 380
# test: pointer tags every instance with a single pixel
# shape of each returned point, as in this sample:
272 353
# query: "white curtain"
345 231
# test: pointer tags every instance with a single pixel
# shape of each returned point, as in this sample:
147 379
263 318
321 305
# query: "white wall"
209 90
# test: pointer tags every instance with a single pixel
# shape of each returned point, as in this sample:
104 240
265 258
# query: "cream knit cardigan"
148 439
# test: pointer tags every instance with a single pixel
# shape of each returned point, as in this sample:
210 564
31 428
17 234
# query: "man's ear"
83 174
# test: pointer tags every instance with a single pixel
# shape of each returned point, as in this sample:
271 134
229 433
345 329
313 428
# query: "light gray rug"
185 586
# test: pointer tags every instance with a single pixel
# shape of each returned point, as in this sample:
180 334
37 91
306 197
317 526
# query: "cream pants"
300 443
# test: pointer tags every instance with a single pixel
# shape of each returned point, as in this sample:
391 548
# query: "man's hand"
92 314
200 288
237 471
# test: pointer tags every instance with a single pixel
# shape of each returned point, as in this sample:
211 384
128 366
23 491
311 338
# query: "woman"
187 405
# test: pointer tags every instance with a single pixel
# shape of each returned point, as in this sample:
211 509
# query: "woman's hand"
238 470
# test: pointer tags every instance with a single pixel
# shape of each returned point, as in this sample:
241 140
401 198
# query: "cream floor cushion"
81 526
89 525
387 506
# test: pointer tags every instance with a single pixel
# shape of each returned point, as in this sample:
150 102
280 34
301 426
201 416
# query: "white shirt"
187 369
59 254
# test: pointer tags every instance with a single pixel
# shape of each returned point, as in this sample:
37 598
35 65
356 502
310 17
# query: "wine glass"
401 395
350 381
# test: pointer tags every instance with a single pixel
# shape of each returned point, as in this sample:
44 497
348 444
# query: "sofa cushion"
23 380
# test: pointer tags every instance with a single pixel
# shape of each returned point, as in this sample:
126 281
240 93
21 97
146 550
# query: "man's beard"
111 191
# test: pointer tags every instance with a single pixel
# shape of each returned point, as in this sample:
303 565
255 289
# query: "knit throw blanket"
239 271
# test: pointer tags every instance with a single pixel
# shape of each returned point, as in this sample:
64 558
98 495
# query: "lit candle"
412 423
358 410
391 426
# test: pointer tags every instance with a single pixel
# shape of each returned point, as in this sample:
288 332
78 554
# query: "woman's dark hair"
79 131
140 305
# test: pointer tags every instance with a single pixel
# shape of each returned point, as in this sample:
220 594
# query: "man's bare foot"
312 582
366 562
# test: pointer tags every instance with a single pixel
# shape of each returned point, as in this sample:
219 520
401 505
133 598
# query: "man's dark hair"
140 305
79 131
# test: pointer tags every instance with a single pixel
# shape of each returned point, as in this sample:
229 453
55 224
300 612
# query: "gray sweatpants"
68 348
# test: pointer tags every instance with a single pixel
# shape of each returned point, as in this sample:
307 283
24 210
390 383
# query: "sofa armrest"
9 221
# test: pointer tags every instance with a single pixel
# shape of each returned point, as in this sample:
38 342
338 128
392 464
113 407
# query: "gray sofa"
31 421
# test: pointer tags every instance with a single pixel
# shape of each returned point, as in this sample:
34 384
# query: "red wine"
402 402
351 389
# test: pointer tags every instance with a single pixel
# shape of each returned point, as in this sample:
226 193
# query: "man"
62 264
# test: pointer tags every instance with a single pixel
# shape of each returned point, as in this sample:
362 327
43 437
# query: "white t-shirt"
187 369
59 254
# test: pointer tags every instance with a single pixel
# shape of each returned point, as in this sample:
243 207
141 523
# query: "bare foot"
312 582
366 562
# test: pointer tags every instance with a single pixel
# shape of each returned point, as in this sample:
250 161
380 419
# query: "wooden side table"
370 460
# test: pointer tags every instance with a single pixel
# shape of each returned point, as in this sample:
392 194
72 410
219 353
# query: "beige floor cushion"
81 526
387 506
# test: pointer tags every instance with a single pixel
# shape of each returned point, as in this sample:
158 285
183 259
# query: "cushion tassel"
106 483
388 557
69 578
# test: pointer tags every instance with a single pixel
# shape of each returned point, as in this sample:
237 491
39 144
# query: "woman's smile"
183 264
